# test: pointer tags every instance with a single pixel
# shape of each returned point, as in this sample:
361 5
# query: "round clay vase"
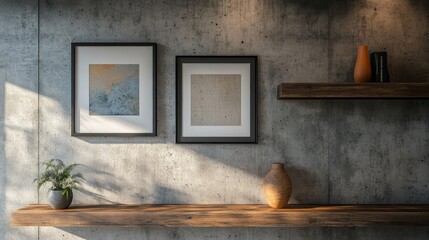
362 73
58 201
277 186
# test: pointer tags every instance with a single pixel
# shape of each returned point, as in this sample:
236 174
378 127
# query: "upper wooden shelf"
223 215
353 91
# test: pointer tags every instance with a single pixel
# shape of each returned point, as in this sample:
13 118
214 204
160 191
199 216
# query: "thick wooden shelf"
223 215
353 91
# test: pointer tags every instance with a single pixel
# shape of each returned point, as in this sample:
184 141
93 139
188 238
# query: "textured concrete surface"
335 151
18 112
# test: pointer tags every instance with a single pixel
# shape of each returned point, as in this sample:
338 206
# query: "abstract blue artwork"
114 89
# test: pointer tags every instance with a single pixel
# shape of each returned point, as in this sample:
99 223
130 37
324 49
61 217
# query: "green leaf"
60 176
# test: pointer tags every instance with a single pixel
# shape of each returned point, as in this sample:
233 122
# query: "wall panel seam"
38 104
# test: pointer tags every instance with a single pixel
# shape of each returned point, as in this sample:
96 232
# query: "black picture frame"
74 46
253 137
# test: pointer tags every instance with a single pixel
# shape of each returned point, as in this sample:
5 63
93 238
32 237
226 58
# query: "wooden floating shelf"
223 216
353 91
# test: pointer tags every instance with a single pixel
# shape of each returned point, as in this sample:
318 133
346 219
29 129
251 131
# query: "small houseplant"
62 182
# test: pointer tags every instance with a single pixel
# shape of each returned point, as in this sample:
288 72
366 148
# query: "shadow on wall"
100 178
103 183
124 140
305 185
236 233
189 233
348 6
321 5
242 233
167 195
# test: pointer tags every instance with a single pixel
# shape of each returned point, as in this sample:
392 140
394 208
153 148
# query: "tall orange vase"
362 71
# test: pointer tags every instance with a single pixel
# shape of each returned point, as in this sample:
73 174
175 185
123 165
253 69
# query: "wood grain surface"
353 91
240 215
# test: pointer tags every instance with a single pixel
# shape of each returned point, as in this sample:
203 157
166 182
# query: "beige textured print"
215 99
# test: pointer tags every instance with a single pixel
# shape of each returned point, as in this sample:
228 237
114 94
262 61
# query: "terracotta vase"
362 71
277 186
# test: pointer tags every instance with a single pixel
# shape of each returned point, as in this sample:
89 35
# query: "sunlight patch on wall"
20 150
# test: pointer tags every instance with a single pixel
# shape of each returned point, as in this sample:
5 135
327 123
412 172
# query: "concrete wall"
335 151
18 112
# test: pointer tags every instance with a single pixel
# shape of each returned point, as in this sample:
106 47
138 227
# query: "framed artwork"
216 99
113 89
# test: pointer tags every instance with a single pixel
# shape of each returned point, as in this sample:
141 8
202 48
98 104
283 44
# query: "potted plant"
62 180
